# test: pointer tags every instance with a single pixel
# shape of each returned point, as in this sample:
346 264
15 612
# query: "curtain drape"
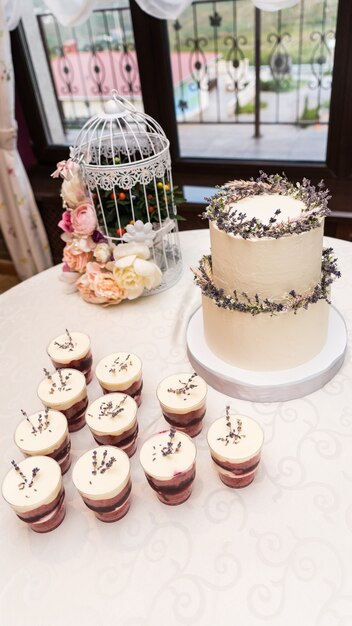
20 221
74 12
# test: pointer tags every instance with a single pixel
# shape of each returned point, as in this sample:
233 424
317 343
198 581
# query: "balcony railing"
231 63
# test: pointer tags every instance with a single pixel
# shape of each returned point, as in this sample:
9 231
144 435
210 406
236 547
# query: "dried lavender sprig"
187 386
68 344
34 430
293 301
123 366
235 434
170 447
107 409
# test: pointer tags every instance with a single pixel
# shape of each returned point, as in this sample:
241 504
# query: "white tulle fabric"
74 12
20 220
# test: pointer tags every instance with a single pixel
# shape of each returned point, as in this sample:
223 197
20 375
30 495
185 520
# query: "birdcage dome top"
119 135
121 146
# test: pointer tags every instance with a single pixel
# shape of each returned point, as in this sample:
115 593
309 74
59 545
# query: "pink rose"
65 222
76 262
83 219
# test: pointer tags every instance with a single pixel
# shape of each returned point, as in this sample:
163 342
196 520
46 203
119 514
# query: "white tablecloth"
278 552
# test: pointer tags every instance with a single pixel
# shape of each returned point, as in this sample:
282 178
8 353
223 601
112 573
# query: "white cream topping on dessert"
69 347
159 463
246 440
63 389
119 370
263 207
112 414
45 485
180 393
106 482
42 433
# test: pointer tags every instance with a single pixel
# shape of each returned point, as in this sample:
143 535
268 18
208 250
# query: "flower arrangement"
103 273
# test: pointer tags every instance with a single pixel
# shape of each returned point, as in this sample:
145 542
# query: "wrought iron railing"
230 63
259 57
88 61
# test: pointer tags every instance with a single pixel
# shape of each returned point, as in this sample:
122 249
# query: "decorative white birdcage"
125 162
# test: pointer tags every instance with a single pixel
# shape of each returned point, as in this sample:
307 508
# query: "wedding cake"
266 285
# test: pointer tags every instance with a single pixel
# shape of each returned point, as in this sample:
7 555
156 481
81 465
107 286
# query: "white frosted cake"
266 285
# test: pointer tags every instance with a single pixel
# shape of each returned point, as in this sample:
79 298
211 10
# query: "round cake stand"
275 386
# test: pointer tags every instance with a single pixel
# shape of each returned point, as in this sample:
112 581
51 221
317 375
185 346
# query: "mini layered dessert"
169 462
235 443
112 420
72 350
35 491
182 399
121 371
65 390
45 433
102 477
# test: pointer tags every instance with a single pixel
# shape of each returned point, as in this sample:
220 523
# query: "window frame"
156 83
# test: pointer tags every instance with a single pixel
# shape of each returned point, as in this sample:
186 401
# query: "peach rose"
83 219
106 286
76 262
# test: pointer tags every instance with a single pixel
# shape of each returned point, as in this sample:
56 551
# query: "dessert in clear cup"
235 443
65 390
169 462
102 477
34 489
112 420
45 433
182 399
72 350
122 372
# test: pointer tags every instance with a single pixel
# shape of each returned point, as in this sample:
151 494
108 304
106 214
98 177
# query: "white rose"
102 252
140 250
72 191
133 275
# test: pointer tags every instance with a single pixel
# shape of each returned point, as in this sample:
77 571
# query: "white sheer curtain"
73 12
20 221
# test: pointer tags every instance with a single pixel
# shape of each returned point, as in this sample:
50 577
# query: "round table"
277 552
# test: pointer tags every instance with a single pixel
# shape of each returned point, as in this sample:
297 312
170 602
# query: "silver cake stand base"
276 386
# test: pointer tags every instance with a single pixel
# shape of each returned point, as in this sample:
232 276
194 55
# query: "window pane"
235 101
77 68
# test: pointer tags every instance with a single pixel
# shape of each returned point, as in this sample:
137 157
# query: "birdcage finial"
118 105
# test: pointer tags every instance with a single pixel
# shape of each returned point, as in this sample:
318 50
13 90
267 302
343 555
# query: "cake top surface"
181 391
119 368
61 387
68 347
235 437
41 431
257 218
101 471
32 482
263 207
167 454
112 413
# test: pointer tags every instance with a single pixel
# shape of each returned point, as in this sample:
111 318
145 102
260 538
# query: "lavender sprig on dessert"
121 366
185 387
42 425
107 409
68 345
235 433
104 466
25 482
171 447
